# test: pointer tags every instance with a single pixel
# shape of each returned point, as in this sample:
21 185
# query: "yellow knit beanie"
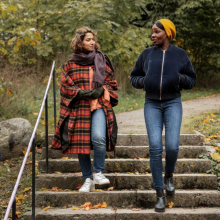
169 27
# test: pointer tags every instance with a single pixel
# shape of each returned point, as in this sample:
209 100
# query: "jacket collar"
169 47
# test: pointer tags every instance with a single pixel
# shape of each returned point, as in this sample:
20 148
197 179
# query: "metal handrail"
31 144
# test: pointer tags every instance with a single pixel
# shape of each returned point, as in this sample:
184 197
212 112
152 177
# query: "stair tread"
129 159
177 191
124 174
67 211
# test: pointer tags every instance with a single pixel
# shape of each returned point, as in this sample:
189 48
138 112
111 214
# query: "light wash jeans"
98 138
157 113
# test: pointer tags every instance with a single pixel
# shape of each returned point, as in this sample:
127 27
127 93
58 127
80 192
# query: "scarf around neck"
97 58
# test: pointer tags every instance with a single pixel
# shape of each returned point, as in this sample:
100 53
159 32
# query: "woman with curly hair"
88 92
162 71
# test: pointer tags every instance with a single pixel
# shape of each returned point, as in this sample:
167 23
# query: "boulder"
15 135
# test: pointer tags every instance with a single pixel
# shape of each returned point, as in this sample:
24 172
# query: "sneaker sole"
102 183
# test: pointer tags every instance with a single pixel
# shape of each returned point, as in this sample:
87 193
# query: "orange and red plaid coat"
74 78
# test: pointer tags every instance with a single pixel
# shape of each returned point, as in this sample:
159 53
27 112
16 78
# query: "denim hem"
85 177
97 171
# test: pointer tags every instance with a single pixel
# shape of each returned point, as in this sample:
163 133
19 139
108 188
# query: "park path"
133 121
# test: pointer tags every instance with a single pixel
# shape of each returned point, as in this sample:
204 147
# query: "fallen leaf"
55 188
26 189
87 204
207 139
97 206
86 209
75 208
65 158
104 205
79 186
45 209
136 209
35 113
9 92
98 190
170 204
110 188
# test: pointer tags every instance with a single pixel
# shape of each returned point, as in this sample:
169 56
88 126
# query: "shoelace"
101 175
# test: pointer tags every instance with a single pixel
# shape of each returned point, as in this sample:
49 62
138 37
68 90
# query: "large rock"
15 135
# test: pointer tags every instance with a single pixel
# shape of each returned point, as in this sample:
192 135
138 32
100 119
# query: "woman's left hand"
96 93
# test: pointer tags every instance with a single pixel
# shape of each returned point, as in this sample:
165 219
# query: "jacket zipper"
161 79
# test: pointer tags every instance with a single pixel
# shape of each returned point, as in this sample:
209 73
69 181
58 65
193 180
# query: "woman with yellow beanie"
163 70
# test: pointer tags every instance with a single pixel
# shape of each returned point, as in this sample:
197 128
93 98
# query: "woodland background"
33 33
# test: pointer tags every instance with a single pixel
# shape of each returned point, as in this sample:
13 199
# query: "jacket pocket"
171 83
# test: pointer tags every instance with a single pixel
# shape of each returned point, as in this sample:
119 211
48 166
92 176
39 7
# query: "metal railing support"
12 201
46 132
54 100
33 179
14 210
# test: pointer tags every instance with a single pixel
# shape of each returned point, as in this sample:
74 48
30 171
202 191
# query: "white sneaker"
100 179
87 186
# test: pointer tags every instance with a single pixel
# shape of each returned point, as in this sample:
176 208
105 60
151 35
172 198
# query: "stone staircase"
128 169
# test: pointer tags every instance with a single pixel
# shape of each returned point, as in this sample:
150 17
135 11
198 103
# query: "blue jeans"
157 113
98 138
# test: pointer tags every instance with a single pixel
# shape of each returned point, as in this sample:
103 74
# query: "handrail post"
46 132
54 99
12 201
33 179
14 209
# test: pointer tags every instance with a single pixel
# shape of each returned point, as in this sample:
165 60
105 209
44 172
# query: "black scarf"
97 58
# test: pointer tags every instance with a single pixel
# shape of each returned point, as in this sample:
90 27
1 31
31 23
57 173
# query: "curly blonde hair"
76 44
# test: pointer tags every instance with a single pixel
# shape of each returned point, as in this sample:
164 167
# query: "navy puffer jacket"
162 74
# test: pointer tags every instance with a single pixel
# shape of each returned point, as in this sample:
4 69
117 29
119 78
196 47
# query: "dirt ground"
133 121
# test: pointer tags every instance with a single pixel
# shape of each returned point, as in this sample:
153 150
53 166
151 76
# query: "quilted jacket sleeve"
188 75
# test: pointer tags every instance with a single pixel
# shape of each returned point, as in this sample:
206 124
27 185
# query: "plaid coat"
74 78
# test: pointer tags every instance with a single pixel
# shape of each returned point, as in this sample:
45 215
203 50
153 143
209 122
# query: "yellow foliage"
8 91
32 42
207 139
26 189
10 42
216 156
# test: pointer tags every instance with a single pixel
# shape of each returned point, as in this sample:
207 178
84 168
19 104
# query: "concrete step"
132 152
127 181
125 214
126 165
129 199
142 139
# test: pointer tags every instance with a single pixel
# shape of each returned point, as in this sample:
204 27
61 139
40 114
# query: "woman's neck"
165 46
